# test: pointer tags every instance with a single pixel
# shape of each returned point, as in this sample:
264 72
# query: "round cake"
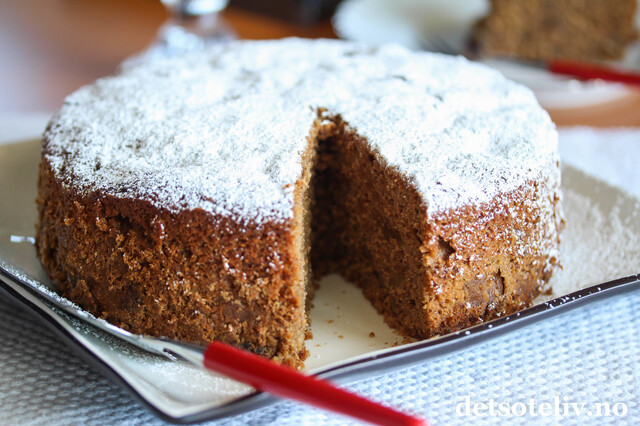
200 197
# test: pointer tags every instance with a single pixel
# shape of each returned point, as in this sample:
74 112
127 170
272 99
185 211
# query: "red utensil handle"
591 71
287 382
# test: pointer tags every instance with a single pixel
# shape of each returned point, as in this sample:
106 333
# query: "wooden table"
48 48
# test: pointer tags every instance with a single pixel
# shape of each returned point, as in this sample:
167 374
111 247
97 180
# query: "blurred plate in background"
445 26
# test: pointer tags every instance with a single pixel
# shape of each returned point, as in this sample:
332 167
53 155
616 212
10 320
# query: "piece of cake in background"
583 30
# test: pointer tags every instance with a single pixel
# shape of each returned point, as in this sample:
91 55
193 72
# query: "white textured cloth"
612 155
588 356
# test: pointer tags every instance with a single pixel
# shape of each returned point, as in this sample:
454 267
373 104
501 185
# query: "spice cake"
194 198
582 30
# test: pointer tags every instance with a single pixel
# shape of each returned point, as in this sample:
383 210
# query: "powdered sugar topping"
224 130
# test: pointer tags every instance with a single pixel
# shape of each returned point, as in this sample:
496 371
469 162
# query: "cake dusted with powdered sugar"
193 197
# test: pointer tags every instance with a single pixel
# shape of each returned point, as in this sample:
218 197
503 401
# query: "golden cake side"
186 276
430 275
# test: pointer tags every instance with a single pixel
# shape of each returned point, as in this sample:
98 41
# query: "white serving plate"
342 320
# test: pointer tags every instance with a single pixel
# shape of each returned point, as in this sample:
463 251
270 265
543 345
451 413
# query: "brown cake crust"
188 276
582 30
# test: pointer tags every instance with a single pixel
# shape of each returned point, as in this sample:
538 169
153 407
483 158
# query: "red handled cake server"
285 382
242 366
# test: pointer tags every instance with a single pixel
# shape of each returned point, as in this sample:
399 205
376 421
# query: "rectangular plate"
599 254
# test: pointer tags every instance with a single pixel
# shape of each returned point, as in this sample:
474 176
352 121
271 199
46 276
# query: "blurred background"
49 48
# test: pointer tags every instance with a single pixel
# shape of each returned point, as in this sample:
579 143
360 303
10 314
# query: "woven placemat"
584 360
